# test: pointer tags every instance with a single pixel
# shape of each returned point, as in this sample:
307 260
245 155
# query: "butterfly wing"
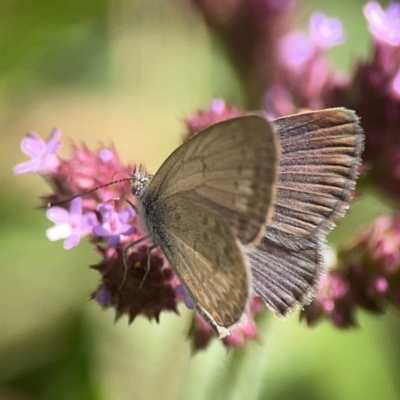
286 279
228 168
320 156
205 255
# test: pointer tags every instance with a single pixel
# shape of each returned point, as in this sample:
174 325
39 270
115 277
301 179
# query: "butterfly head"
140 180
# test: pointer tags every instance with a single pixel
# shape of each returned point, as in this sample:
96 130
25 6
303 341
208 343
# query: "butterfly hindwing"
320 157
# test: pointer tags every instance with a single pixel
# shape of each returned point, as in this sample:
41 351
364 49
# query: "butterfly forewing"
320 157
228 168
212 194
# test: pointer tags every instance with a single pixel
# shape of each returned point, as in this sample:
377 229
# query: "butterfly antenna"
56 203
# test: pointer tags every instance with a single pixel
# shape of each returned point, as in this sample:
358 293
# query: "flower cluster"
107 220
201 334
367 276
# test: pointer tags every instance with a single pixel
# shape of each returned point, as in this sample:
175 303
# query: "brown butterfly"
210 197
244 180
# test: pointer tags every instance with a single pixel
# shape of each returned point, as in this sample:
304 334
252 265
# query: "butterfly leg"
148 266
125 256
127 201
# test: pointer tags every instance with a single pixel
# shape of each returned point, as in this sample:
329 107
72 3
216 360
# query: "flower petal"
30 166
105 155
89 220
113 240
59 231
106 210
53 143
58 215
100 230
33 145
76 207
72 240
126 214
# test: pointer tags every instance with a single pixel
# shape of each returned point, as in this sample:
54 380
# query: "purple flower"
103 296
181 292
384 25
70 225
326 32
44 160
114 224
106 155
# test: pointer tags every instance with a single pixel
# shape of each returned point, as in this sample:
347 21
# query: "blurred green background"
127 72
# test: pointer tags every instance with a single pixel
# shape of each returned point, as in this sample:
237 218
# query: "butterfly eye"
140 182
135 186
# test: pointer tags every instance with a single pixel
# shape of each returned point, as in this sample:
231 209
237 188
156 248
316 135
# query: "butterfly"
211 198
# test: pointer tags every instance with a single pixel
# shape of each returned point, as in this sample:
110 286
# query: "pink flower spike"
70 225
43 155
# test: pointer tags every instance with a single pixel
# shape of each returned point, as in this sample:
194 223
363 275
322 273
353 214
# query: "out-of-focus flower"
114 224
200 333
43 154
303 75
326 32
70 225
384 24
373 92
396 85
296 49
181 292
218 111
277 102
250 31
367 276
